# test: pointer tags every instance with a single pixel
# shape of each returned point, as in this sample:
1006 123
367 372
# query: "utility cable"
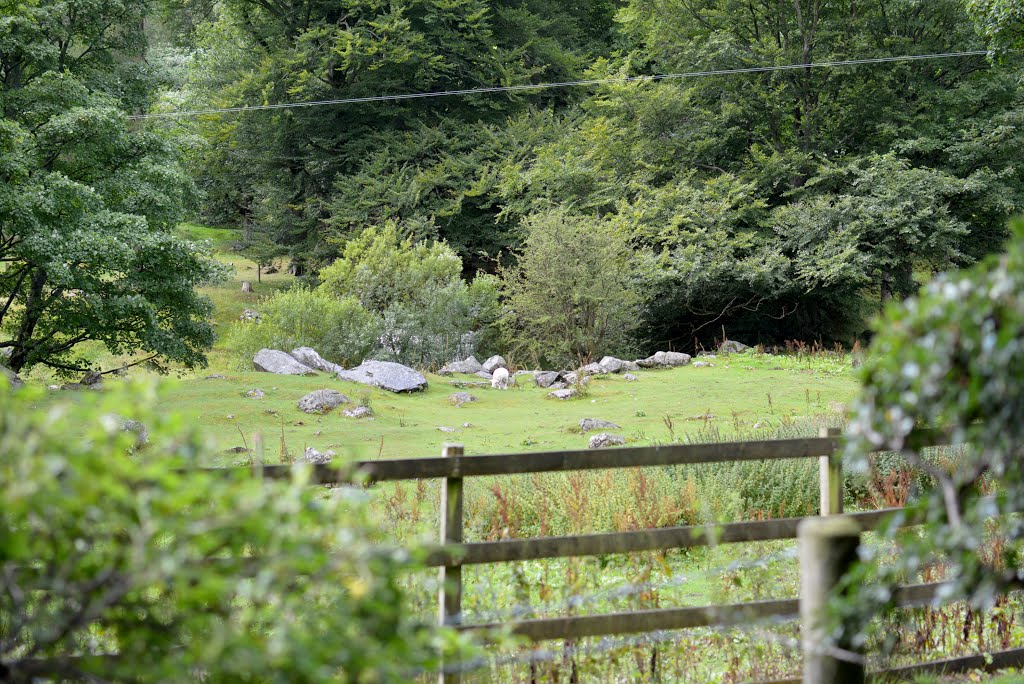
559 84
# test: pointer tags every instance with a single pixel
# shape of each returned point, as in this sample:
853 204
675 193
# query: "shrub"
385 297
339 328
183 576
950 357
574 294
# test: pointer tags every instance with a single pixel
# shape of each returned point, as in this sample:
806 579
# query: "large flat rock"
393 377
274 361
308 356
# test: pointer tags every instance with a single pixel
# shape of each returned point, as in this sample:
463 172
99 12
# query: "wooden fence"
453 466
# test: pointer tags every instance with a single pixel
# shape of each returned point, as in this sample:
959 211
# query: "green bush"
574 294
184 576
339 328
387 298
951 357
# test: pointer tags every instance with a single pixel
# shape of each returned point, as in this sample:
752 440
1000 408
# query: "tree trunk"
246 286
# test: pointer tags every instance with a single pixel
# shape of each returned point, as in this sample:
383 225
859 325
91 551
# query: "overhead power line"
560 84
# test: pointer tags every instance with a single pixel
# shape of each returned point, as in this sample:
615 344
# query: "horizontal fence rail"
554 461
664 619
658 539
426 468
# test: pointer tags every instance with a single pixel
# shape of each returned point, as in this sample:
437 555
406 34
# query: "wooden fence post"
828 547
831 475
450 592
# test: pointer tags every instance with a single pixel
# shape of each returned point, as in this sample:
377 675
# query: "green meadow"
737 395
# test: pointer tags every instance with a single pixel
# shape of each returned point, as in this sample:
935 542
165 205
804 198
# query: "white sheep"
500 379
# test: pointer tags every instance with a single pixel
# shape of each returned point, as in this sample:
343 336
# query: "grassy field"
739 395
748 396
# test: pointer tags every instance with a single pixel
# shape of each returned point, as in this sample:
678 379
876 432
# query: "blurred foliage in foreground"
116 566
951 357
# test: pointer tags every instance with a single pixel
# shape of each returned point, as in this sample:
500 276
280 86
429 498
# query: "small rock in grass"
216 376
837 407
703 364
606 440
322 400
313 456
139 428
591 424
467 425
255 394
568 393
358 412
629 377
444 428
237 450
460 398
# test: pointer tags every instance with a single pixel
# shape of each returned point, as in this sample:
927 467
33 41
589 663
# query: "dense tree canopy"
87 201
782 204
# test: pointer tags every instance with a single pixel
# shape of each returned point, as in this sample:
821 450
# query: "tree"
120 568
312 176
950 358
1001 21
671 158
87 202
871 223
575 292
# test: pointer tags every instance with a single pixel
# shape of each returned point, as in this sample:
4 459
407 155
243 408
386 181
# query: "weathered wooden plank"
992 662
646 620
577 627
629 542
558 461
450 590
919 594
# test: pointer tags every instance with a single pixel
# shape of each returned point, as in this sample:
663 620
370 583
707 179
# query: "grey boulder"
322 400
493 363
12 378
308 356
274 361
594 369
469 366
591 424
664 359
388 375
604 439
733 347
546 378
